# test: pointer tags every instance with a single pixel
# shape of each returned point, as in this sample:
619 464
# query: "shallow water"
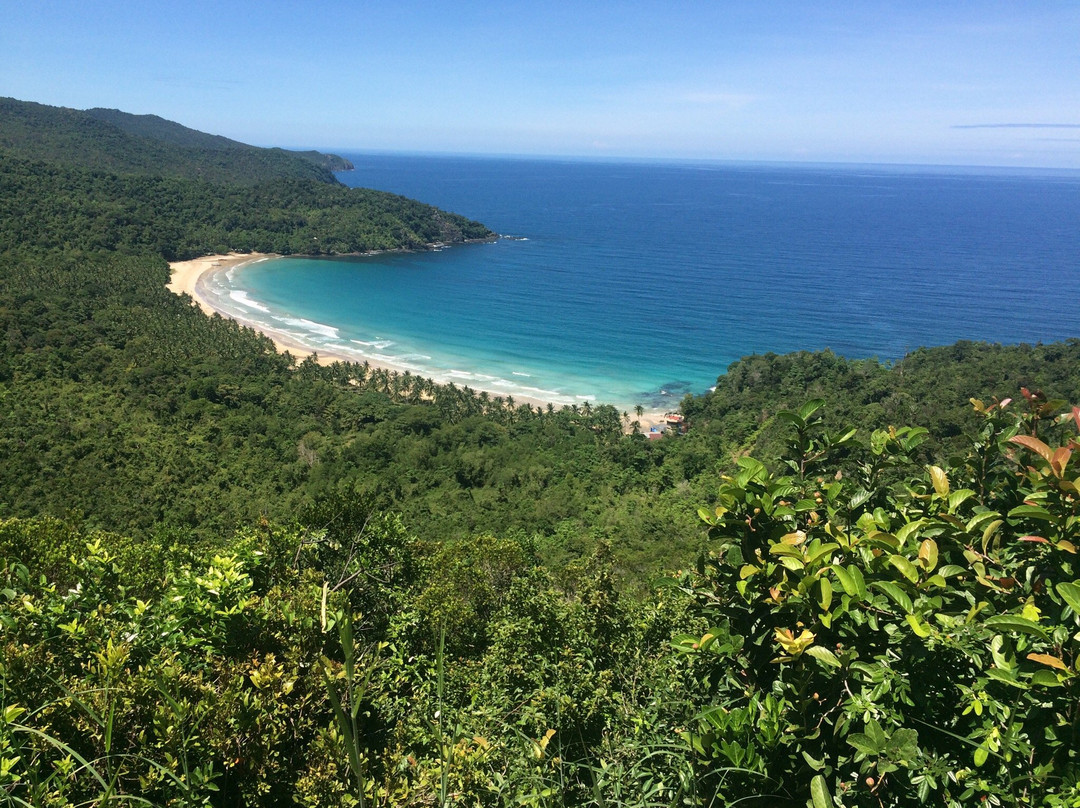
636 283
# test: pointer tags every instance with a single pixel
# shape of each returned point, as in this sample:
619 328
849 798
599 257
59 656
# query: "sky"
947 82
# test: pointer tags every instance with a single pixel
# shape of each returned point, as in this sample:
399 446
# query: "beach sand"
188 277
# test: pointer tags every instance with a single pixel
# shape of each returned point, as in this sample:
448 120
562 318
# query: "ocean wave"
526 375
311 327
473 376
380 344
242 298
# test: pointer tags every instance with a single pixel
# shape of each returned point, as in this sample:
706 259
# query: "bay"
635 283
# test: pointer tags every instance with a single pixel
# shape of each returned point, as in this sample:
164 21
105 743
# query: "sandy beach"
188 277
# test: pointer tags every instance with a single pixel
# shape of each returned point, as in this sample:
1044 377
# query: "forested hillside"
120 143
228 578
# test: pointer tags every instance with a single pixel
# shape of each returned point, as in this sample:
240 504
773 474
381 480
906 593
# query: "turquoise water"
637 283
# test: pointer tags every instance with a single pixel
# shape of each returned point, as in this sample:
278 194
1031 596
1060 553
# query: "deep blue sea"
635 283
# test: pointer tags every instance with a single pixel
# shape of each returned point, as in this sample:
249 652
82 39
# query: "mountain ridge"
125 143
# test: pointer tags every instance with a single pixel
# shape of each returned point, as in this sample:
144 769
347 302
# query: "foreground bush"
883 632
887 634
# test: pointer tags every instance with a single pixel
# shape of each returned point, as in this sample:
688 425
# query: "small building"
675 421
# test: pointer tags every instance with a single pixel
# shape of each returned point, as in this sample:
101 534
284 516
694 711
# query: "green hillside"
47 204
228 578
120 143
157 128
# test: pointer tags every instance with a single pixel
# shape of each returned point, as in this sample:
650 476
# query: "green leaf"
906 567
1015 623
819 792
898 595
1031 512
906 530
826 593
864 743
858 499
845 580
918 627
981 754
824 655
979 518
928 553
814 554
989 531
940 481
859 581
1045 678
1008 678
957 498
903 745
810 407
792 418
1070 593
782 549
793 564
874 730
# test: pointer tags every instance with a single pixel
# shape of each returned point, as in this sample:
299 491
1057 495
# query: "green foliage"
897 643
246 680
458 611
44 205
120 143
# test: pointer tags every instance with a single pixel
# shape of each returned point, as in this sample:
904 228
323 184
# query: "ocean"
637 282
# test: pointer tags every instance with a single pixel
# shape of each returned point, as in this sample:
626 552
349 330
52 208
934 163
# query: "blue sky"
947 82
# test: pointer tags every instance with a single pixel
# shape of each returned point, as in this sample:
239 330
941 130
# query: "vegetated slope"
133 409
116 142
43 205
829 648
154 127
826 650
123 403
930 387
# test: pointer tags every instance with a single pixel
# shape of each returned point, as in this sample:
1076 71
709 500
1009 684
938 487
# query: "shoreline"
190 277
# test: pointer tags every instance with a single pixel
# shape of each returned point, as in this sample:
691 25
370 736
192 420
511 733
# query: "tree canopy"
231 578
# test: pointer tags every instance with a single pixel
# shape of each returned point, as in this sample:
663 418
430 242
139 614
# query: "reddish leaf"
1036 539
1046 659
1060 460
1035 445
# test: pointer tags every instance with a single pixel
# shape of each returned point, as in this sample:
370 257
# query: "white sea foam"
311 326
242 298
378 343
526 375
